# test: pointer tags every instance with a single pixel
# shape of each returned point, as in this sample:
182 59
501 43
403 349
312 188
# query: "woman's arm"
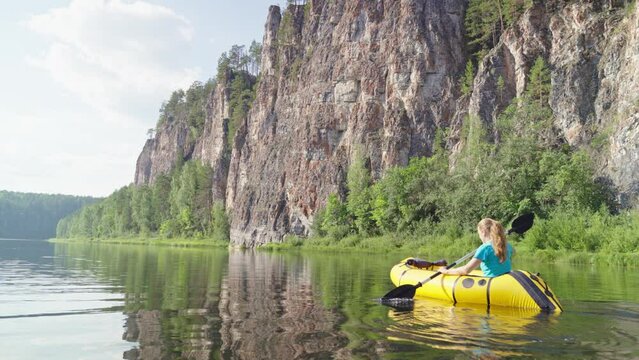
463 270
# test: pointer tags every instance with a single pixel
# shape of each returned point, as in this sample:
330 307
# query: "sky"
81 82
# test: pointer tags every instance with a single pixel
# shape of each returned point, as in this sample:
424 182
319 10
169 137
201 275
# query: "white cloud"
122 58
63 153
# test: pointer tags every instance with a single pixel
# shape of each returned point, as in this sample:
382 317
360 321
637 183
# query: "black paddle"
520 225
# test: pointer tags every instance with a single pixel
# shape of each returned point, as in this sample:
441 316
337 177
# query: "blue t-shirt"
490 264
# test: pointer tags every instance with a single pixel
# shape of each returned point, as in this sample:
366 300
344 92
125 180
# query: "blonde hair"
494 230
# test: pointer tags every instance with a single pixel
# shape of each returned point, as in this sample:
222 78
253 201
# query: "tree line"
188 106
35 216
238 59
178 204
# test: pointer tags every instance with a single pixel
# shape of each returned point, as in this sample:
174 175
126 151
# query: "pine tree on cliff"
255 53
469 77
486 20
538 88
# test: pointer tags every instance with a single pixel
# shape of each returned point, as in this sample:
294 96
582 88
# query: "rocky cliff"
593 53
377 79
340 78
174 142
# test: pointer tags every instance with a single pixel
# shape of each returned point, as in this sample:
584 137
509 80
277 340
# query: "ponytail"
495 231
498 236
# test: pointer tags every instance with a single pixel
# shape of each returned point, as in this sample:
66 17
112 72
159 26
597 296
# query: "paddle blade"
521 224
406 291
398 304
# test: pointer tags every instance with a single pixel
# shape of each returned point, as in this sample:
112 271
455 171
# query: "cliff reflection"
209 304
269 311
212 304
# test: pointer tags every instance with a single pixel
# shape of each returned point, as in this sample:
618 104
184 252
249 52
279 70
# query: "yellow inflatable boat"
517 289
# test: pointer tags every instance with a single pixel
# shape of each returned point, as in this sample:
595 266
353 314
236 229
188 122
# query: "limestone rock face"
509 60
173 141
340 79
212 146
160 153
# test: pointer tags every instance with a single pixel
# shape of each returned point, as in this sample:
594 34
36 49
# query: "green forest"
176 205
35 216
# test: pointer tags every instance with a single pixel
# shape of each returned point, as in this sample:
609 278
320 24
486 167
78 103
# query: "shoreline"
370 245
174 242
628 260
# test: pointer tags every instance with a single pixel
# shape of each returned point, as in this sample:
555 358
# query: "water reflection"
197 304
171 296
476 330
48 311
268 307
216 304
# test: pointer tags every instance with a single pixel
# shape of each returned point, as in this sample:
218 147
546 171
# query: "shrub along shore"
587 238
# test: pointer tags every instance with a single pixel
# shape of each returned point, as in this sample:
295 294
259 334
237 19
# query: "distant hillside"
35 216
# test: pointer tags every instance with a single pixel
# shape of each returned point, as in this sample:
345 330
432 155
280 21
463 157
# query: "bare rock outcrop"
340 78
174 142
160 153
212 146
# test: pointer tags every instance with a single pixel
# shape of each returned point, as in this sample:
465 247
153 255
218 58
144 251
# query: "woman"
493 255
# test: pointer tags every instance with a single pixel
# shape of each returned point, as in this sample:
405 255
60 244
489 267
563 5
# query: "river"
90 301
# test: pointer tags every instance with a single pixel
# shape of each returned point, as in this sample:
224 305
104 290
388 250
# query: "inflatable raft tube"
516 289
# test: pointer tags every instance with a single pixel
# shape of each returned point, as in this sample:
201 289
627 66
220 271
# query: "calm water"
135 302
